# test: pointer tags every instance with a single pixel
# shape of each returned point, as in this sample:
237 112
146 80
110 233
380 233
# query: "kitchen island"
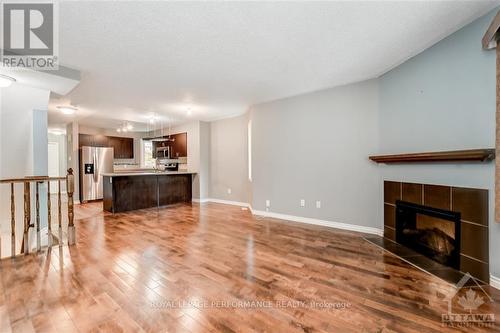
125 191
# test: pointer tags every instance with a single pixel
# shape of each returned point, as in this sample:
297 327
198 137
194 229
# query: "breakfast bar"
137 190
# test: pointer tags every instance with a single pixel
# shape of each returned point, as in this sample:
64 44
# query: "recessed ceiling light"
130 127
189 111
56 131
6 81
118 130
67 109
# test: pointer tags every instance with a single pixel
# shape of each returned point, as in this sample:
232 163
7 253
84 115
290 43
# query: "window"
250 150
147 154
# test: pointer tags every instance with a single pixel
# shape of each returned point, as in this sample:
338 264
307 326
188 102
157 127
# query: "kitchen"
134 170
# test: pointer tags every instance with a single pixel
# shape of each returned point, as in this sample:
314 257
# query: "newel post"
27 217
70 184
490 42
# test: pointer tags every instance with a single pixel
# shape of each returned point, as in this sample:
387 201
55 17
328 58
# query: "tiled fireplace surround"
471 203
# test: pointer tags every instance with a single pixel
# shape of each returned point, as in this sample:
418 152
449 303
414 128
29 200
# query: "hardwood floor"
189 268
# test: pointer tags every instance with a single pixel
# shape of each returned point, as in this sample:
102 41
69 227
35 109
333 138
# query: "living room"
269 166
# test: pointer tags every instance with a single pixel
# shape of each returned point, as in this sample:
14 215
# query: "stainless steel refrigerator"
94 161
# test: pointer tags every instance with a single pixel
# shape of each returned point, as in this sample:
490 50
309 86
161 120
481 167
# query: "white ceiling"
219 58
60 81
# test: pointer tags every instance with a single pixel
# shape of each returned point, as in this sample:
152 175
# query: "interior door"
53 166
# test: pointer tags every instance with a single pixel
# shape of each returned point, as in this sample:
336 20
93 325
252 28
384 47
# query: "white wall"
61 140
315 147
229 159
72 130
18 103
204 169
19 130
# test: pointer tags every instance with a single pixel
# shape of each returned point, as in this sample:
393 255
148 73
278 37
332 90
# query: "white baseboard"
228 202
220 201
324 223
308 220
199 200
494 282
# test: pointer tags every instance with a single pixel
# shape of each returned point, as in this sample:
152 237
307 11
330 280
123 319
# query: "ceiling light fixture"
189 111
159 131
57 131
6 81
67 109
125 127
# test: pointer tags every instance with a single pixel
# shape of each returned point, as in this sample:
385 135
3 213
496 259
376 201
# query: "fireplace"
446 223
432 232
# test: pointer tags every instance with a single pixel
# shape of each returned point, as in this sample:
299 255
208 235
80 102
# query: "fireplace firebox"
432 232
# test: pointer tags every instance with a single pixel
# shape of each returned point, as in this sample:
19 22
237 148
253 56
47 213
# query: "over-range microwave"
163 152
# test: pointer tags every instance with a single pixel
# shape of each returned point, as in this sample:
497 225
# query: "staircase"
31 221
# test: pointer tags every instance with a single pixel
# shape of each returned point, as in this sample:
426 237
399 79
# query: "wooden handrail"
37 180
31 179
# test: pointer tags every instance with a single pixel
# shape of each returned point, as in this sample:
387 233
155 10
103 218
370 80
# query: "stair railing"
37 181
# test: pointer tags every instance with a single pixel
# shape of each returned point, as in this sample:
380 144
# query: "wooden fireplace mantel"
477 155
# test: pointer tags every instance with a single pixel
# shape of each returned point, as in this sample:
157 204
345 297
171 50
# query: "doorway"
53 167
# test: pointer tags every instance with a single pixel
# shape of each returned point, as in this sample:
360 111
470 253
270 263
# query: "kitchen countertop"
146 173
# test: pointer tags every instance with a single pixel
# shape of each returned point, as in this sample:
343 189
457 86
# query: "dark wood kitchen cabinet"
85 140
100 141
143 190
92 140
123 147
178 145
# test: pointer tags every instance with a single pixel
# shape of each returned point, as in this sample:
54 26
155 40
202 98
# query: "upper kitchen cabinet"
179 146
85 140
92 140
100 140
123 147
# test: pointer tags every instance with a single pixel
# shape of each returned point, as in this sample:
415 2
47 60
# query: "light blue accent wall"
444 99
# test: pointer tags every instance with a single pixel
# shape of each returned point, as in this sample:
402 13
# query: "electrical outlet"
229 191
268 203
302 203
318 204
